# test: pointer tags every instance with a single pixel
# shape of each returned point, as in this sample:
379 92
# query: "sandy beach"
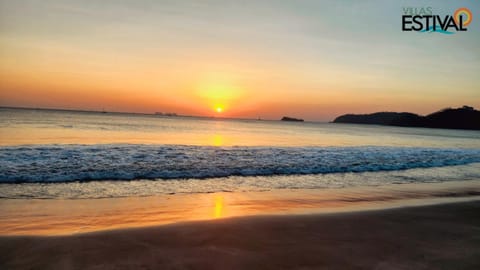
237 135
445 236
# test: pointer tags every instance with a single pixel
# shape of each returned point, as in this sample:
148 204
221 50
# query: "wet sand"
53 217
445 236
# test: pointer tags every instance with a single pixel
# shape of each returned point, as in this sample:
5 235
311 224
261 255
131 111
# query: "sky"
248 59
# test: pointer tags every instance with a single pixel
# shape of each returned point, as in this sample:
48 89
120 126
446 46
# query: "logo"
424 21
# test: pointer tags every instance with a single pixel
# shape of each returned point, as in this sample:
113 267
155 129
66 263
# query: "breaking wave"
67 163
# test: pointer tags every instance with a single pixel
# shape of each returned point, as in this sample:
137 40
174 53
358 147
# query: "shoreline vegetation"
443 236
465 117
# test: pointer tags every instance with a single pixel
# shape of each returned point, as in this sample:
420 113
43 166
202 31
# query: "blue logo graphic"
436 28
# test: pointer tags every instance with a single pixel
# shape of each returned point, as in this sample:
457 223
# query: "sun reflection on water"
217 140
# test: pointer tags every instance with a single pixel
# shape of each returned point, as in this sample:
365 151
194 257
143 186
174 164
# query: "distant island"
286 118
465 117
166 114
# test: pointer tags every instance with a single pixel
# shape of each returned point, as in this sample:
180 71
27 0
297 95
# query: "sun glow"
218 206
219 91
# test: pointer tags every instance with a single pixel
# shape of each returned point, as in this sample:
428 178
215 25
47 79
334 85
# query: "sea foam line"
65 163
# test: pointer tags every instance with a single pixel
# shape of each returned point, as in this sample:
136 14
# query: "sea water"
68 154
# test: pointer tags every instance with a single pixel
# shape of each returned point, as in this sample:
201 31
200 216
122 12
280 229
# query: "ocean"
54 154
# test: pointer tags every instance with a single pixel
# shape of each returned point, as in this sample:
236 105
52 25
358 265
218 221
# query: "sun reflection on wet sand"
218 206
61 217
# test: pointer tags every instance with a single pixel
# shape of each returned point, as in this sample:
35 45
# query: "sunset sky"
309 59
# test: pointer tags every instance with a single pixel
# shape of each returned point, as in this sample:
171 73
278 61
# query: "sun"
219 109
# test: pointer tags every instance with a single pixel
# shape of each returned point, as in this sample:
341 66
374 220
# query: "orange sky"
261 60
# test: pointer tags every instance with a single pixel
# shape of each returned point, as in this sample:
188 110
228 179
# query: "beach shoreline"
54 217
442 236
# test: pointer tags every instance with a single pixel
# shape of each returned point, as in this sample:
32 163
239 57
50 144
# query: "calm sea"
64 154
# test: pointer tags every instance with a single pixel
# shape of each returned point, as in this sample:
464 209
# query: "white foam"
65 163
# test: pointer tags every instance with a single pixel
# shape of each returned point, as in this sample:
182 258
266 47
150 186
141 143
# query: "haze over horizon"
309 59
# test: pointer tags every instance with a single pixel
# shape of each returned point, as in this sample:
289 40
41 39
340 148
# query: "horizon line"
150 114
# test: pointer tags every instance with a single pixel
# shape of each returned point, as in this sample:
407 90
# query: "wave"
67 163
436 28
